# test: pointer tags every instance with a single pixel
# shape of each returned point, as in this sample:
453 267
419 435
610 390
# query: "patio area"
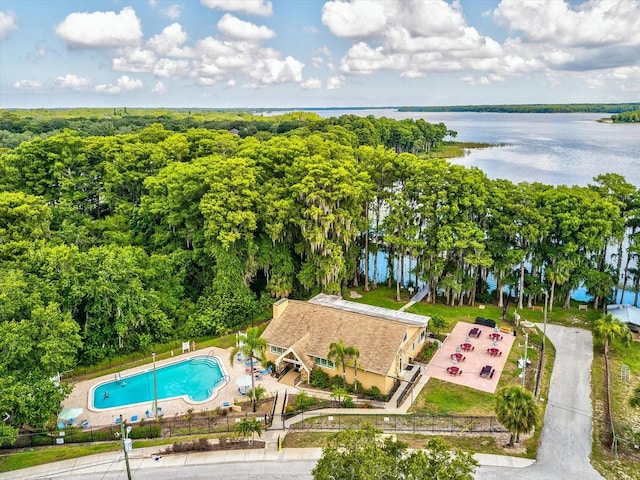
467 351
225 395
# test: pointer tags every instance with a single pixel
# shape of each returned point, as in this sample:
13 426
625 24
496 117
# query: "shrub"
320 378
303 401
336 382
375 393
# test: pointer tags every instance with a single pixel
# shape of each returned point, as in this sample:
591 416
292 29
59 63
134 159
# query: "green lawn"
382 297
42 455
444 398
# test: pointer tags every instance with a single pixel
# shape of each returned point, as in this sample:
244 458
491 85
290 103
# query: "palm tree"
248 428
607 328
517 410
338 351
354 353
253 347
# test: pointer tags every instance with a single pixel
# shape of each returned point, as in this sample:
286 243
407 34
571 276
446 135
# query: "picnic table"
475 332
453 371
494 352
467 347
458 357
487 371
495 336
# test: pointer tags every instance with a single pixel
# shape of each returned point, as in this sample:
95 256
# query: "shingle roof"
377 339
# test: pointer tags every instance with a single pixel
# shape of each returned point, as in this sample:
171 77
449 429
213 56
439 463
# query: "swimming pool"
195 379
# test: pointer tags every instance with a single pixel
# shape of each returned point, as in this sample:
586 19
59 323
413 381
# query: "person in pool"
105 395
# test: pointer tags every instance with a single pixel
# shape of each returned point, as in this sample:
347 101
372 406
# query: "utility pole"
124 446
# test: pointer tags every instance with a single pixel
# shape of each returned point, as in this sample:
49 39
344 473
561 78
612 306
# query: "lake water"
554 148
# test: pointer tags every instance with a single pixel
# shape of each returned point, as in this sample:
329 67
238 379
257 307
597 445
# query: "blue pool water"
196 379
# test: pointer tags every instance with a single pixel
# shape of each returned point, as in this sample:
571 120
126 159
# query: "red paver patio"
474 359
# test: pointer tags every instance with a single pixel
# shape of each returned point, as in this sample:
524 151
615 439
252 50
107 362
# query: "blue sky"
314 53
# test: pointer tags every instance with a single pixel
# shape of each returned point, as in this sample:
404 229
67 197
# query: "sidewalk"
142 458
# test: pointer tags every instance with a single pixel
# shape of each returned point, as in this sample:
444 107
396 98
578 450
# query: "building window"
323 362
413 346
405 337
277 350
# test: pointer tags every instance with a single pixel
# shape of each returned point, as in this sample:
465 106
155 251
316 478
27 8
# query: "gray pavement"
565 444
564 451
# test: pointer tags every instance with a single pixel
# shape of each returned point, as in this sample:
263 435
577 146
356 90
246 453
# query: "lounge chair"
134 418
148 414
84 423
118 421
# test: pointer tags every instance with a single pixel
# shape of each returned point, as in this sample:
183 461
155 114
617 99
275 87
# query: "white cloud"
418 38
317 62
28 84
72 82
334 83
235 28
152 3
590 24
41 50
268 71
311 29
168 68
253 7
123 84
134 60
594 35
8 23
231 83
172 11
101 29
311 84
358 19
170 42
411 37
159 88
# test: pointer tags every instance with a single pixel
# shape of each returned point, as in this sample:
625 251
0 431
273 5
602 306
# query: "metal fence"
195 424
402 423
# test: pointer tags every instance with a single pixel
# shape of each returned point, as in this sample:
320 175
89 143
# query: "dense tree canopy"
125 230
367 455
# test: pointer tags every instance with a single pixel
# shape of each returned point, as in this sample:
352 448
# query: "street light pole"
124 446
155 387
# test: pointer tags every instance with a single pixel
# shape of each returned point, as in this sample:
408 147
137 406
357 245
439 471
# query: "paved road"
564 451
566 436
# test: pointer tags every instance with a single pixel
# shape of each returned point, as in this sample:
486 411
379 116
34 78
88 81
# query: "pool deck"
80 396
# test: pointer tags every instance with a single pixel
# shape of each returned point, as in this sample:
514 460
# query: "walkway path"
418 297
565 444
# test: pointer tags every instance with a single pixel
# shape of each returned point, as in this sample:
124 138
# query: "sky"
316 53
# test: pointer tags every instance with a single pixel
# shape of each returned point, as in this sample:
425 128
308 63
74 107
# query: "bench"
583 307
537 308
505 329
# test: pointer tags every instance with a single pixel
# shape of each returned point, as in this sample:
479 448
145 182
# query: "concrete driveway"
566 436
